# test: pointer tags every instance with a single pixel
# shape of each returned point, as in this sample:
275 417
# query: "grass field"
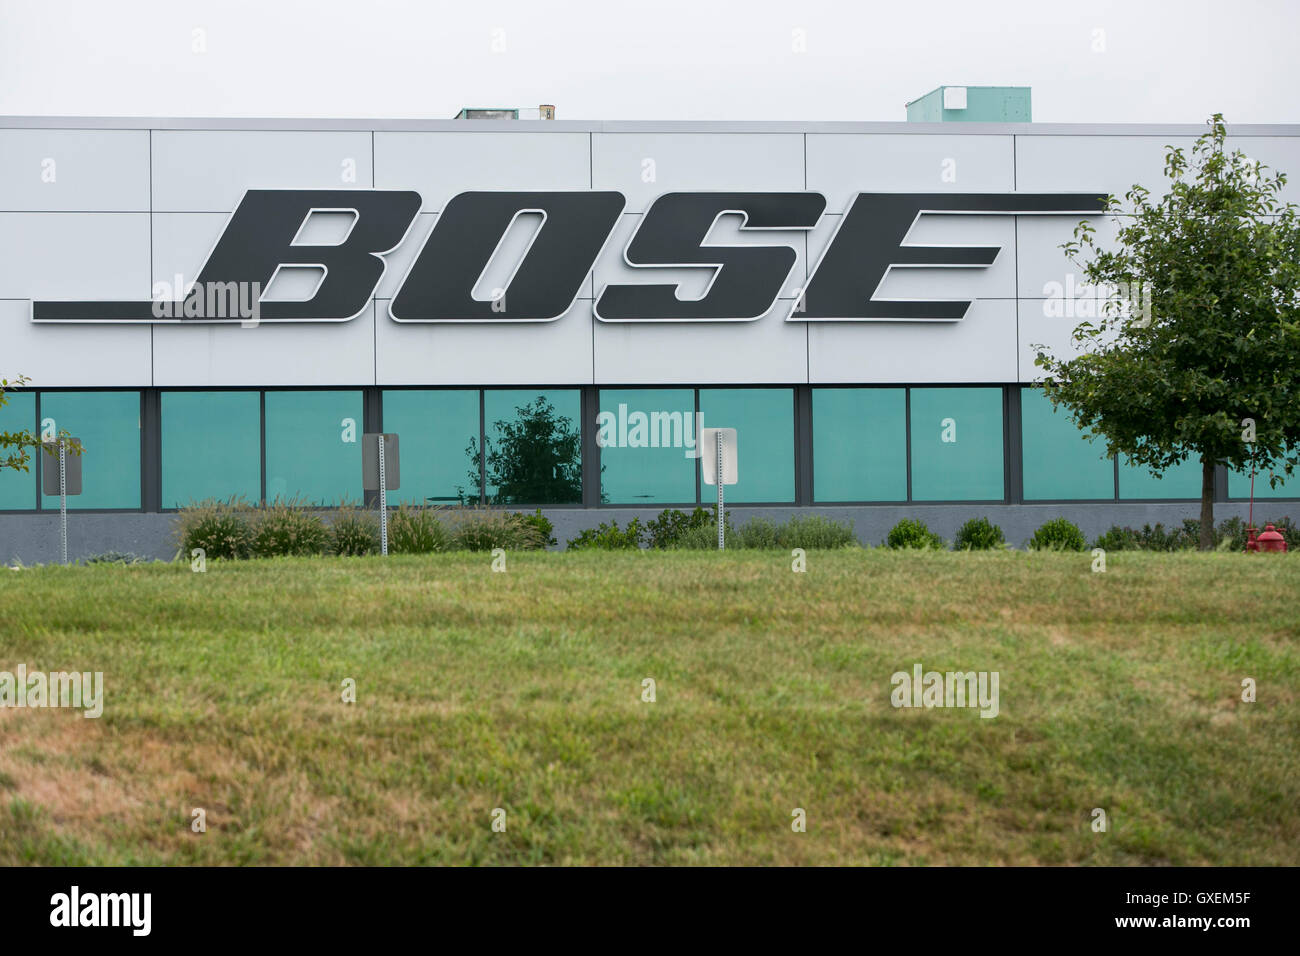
523 691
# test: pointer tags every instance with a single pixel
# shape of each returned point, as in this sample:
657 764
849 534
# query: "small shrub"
757 532
702 538
285 529
537 520
814 531
609 537
355 533
482 529
666 531
1118 539
114 557
912 533
701 534
979 534
413 529
221 528
1059 534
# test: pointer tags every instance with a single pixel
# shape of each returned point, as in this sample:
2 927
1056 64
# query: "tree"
1208 366
536 459
23 440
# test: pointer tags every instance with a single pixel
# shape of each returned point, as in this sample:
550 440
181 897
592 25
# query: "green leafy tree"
14 446
1198 354
535 459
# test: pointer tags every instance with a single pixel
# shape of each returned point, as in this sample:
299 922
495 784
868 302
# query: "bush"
285 529
355 533
979 534
703 538
543 526
667 530
609 537
814 531
220 528
912 533
1118 539
413 529
757 532
114 557
482 529
1059 534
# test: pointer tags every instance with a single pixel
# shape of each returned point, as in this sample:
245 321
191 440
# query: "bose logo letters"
745 281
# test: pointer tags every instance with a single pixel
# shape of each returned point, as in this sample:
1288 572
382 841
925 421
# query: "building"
864 311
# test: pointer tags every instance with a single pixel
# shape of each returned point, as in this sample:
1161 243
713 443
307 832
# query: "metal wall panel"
208 171
67 255
74 170
979 348
643 166
513 353
289 353
840 166
767 350
440 165
71 356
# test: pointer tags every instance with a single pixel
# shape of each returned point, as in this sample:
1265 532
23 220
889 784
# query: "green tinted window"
859 444
645 434
313 446
957 444
1180 481
435 429
1059 462
764 423
1239 484
211 446
534 448
18 488
108 424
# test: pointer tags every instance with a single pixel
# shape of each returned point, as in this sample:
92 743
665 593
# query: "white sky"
1160 60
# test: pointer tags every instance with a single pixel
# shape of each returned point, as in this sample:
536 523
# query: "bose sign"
262 234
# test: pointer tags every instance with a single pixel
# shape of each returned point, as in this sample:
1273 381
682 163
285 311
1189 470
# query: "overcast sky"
1130 61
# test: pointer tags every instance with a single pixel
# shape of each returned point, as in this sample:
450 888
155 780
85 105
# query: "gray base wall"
34 538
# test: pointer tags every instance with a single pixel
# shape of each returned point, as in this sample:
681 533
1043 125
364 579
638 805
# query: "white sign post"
720 468
383 502
68 483
380 464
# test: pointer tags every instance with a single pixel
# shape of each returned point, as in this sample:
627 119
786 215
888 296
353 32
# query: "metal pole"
383 500
63 501
718 476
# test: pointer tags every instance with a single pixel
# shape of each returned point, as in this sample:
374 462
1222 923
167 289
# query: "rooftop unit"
971 104
544 112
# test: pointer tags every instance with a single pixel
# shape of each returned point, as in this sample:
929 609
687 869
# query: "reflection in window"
434 427
533 447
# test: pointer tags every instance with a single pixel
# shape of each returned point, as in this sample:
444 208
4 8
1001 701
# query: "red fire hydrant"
1271 540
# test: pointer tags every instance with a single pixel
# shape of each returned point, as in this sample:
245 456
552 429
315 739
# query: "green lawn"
479 690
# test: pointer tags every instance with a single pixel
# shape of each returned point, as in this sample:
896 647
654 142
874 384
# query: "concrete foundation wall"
34 539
